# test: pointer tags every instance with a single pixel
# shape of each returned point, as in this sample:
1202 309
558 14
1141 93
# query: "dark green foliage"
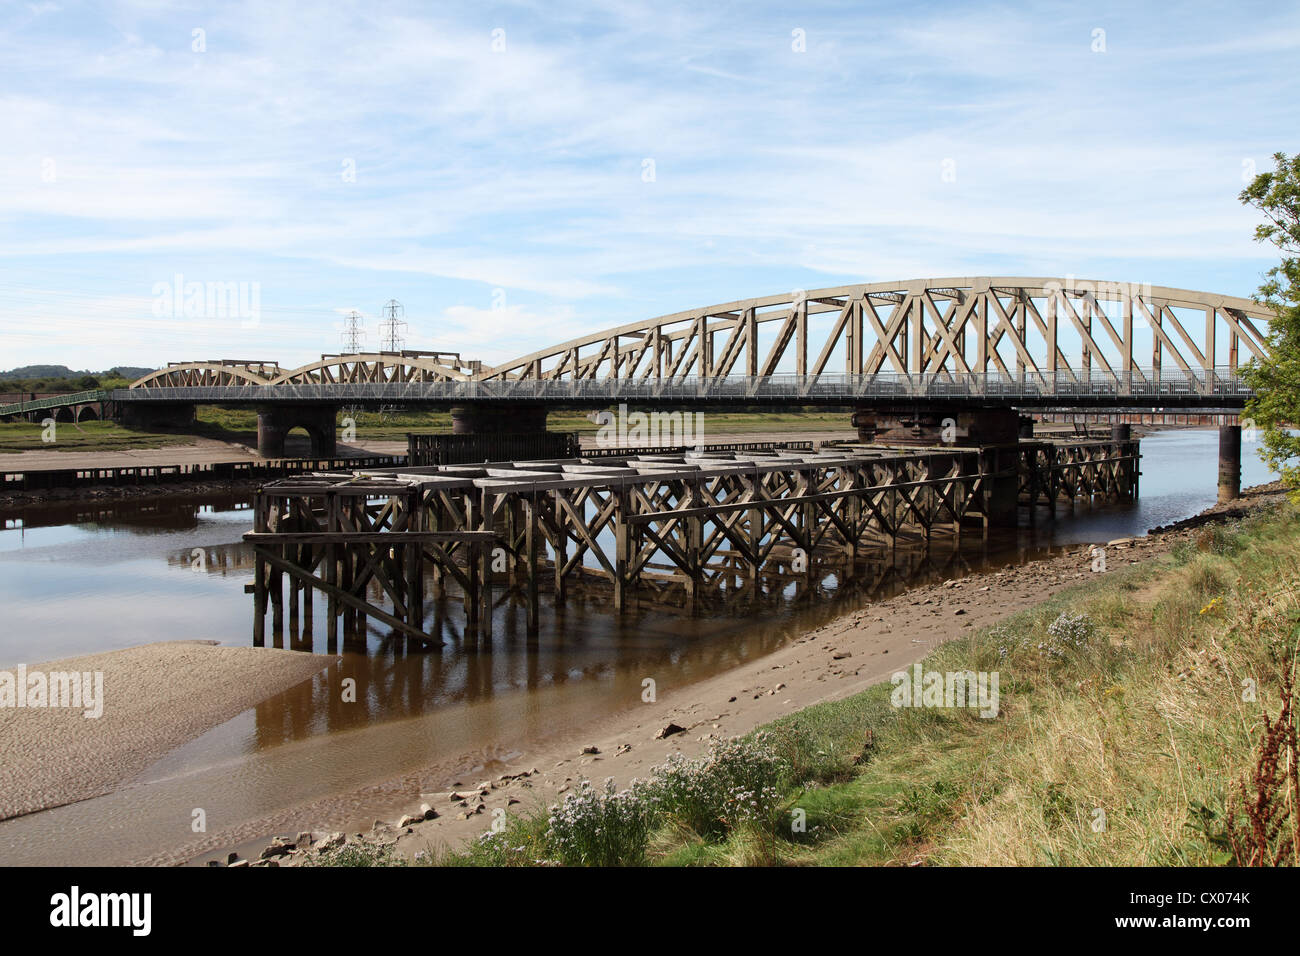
1276 378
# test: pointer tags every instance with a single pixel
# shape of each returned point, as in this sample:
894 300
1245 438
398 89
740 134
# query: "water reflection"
145 515
582 642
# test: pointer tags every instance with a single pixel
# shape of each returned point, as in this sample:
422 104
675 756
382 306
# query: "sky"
518 174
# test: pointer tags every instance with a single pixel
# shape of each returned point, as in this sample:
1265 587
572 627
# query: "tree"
1275 379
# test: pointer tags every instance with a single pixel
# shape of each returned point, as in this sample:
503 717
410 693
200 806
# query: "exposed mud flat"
155 698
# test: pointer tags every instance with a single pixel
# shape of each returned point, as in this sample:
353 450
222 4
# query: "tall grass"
1146 718
1128 756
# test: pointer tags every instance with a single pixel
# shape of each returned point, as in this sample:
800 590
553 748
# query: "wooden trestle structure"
1057 473
667 526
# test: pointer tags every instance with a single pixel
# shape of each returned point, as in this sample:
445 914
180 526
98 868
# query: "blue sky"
486 164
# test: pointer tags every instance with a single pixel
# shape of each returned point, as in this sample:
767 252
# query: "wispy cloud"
345 154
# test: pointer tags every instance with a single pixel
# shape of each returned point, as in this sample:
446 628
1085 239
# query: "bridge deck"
1137 389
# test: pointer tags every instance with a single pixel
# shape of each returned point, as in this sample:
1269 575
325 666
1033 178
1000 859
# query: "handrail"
55 401
1146 386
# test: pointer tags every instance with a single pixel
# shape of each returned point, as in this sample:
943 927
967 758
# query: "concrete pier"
995 431
498 418
1229 462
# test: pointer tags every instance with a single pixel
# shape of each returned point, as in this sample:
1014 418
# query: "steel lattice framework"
923 326
1050 336
361 368
218 373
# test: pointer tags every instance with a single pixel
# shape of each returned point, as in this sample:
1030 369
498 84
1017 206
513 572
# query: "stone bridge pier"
498 418
157 415
274 422
995 431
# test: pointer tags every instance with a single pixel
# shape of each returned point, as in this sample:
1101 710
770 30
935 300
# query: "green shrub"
1065 638
737 783
924 808
600 827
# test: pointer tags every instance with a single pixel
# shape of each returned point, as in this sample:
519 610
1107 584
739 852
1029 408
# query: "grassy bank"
240 425
1122 738
1131 729
86 436
395 424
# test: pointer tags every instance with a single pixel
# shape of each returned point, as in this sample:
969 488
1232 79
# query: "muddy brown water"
94 576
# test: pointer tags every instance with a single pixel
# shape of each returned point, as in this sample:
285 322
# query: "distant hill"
41 371
60 378
62 371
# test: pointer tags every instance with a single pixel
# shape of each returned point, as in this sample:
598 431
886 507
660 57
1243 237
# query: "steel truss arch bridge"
1032 339
910 348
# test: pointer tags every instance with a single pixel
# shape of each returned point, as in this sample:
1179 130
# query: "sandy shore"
197 451
155 698
837 660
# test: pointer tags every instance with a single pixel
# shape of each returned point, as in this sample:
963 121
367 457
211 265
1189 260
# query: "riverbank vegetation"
240 425
82 436
1275 378
44 379
1145 718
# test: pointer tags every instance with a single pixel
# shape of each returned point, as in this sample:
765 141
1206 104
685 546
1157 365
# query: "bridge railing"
1097 384
54 401
1151 384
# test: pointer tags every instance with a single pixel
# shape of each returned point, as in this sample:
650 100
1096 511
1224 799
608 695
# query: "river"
97 576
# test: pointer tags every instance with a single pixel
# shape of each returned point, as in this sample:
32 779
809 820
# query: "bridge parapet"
1139 388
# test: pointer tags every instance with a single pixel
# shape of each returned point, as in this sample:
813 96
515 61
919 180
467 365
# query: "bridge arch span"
209 374
370 367
1022 326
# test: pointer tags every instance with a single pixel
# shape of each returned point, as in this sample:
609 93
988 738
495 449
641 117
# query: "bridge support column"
1121 435
154 415
498 417
926 425
1229 462
276 421
1001 467
995 431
